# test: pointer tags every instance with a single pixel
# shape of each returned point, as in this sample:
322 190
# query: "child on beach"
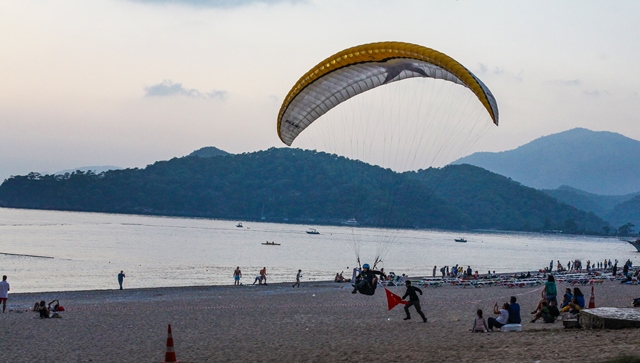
479 324
298 276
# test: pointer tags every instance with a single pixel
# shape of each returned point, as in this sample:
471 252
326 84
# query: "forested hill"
303 187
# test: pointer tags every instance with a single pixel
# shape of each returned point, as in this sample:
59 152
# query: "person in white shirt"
502 319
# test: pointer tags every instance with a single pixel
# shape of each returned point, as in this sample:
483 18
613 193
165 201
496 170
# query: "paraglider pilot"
367 281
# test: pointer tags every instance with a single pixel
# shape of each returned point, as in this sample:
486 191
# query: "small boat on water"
271 243
461 239
635 243
312 231
239 225
350 222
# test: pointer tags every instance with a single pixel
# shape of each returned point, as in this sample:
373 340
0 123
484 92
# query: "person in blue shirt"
514 311
568 296
577 303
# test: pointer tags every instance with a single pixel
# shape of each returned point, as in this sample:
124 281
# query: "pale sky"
130 82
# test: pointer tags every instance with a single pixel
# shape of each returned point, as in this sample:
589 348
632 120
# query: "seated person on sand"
547 313
479 324
43 310
339 277
576 304
503 316
539 305
56 309
567 298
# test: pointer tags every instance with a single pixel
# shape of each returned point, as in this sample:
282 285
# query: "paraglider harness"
364 282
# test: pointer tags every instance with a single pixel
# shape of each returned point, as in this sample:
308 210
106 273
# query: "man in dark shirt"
413 300
367 281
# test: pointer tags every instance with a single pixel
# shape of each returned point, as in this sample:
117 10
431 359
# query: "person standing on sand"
237 274
414 300
4 292
434 271
263 276
298 276
121 277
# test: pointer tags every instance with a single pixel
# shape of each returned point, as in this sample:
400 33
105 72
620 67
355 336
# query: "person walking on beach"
4 292
298 276
414 300
434 271
237 274
121 277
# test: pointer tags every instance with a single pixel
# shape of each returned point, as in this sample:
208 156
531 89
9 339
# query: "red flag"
393 299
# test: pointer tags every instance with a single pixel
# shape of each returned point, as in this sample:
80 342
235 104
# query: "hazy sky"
130 82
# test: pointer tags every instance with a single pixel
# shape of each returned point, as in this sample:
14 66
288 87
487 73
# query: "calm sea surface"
89 249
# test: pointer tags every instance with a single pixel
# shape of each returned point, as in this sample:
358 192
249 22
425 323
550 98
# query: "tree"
626 229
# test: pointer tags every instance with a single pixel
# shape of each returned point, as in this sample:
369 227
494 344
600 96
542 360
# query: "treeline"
302 187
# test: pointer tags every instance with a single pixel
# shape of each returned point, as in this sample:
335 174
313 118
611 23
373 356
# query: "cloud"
169 89
220 4
596 93
483 69
566 82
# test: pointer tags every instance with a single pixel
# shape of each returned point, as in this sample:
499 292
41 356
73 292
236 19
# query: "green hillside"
304 186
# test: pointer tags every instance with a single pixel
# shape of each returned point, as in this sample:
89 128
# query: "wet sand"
319 322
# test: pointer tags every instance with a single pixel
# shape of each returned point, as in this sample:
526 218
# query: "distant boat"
635 244
312 231
350 222
239 225
460 239
271 243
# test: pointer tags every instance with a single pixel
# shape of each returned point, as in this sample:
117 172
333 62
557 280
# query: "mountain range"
597 162
325 188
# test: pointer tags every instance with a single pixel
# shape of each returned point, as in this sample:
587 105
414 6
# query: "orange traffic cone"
592 300
170 355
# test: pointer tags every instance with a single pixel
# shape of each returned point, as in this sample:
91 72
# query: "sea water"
86 251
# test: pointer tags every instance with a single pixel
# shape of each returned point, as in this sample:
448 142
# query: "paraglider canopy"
361 68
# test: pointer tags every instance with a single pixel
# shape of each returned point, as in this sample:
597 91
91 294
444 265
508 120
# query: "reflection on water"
89 250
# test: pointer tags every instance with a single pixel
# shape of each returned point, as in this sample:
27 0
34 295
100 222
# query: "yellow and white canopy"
362 68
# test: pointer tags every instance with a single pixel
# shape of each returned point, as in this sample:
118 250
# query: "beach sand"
319 322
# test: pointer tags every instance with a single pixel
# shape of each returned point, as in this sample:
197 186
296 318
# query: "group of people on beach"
508 313
47 311
261 278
